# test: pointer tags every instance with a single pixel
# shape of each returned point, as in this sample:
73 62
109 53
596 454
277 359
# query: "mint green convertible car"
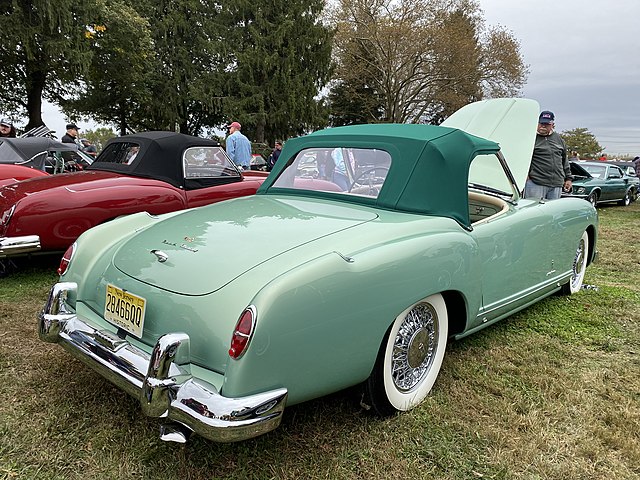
364 251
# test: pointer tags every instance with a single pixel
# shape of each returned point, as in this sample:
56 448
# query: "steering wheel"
72 166
370 182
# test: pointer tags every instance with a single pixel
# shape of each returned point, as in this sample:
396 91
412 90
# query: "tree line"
281 68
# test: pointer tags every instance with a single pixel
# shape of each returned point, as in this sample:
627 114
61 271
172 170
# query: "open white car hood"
510 122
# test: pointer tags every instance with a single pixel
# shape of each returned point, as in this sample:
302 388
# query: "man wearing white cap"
238 147
7 129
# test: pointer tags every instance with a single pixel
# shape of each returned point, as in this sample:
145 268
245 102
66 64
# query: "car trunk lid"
230 239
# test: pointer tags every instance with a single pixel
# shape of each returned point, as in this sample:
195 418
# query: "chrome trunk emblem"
160 255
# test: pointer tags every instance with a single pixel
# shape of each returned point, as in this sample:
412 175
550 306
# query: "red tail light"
66 259
243 332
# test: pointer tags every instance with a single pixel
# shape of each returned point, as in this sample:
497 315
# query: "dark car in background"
626 167
34 156
600 182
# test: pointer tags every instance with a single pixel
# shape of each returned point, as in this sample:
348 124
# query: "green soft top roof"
429 169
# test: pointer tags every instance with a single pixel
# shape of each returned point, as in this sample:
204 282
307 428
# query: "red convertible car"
156 172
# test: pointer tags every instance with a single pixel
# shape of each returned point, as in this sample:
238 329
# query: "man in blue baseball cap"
549 172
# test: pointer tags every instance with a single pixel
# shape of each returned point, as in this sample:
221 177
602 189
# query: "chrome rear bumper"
19 245
162 381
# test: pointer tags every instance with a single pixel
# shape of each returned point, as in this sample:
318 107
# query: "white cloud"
583 63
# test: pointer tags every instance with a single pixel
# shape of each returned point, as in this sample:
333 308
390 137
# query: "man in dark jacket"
72 134
275 154
636 166
549 172
88 147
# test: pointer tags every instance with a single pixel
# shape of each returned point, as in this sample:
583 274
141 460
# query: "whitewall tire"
579 267
410 357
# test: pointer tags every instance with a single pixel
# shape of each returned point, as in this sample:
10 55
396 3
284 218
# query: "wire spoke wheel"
414 347
578 267
409 358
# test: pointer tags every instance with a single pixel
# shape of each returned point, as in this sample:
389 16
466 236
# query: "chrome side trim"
162 380
551 283
19 245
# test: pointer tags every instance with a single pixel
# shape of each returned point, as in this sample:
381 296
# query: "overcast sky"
584 63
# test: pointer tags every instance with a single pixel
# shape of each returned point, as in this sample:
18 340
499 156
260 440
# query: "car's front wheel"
579 267
593 198
410 358
626 201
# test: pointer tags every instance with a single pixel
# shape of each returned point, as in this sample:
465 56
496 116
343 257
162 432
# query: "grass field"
550 393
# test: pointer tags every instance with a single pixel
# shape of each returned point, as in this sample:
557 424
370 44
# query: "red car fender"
16 173
60 215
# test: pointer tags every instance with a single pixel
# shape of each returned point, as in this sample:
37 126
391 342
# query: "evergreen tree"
353 103
279 61
99 137
189 64
582 141
355 100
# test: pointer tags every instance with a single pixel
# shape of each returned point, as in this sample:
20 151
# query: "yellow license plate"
125 310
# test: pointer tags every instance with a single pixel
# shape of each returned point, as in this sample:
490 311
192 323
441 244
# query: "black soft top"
25 148
160 156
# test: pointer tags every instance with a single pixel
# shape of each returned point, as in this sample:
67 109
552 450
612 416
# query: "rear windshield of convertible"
208 162
356 171
120 153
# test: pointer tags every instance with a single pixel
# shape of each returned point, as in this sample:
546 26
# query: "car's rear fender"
320 325
250 183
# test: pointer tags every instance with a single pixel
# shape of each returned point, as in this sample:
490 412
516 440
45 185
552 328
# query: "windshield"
356 171
123 153
595 170
60 161
79 157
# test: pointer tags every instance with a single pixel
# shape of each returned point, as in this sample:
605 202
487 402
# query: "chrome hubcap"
578 263
414 347
418 348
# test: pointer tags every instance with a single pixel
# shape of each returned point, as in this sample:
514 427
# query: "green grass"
550 393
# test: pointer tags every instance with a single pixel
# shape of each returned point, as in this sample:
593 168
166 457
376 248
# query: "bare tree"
423 59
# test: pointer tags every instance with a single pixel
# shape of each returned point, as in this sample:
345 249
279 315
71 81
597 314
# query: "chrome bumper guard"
19 245
161 381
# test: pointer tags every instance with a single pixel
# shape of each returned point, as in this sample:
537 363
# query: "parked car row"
217 318
155 172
